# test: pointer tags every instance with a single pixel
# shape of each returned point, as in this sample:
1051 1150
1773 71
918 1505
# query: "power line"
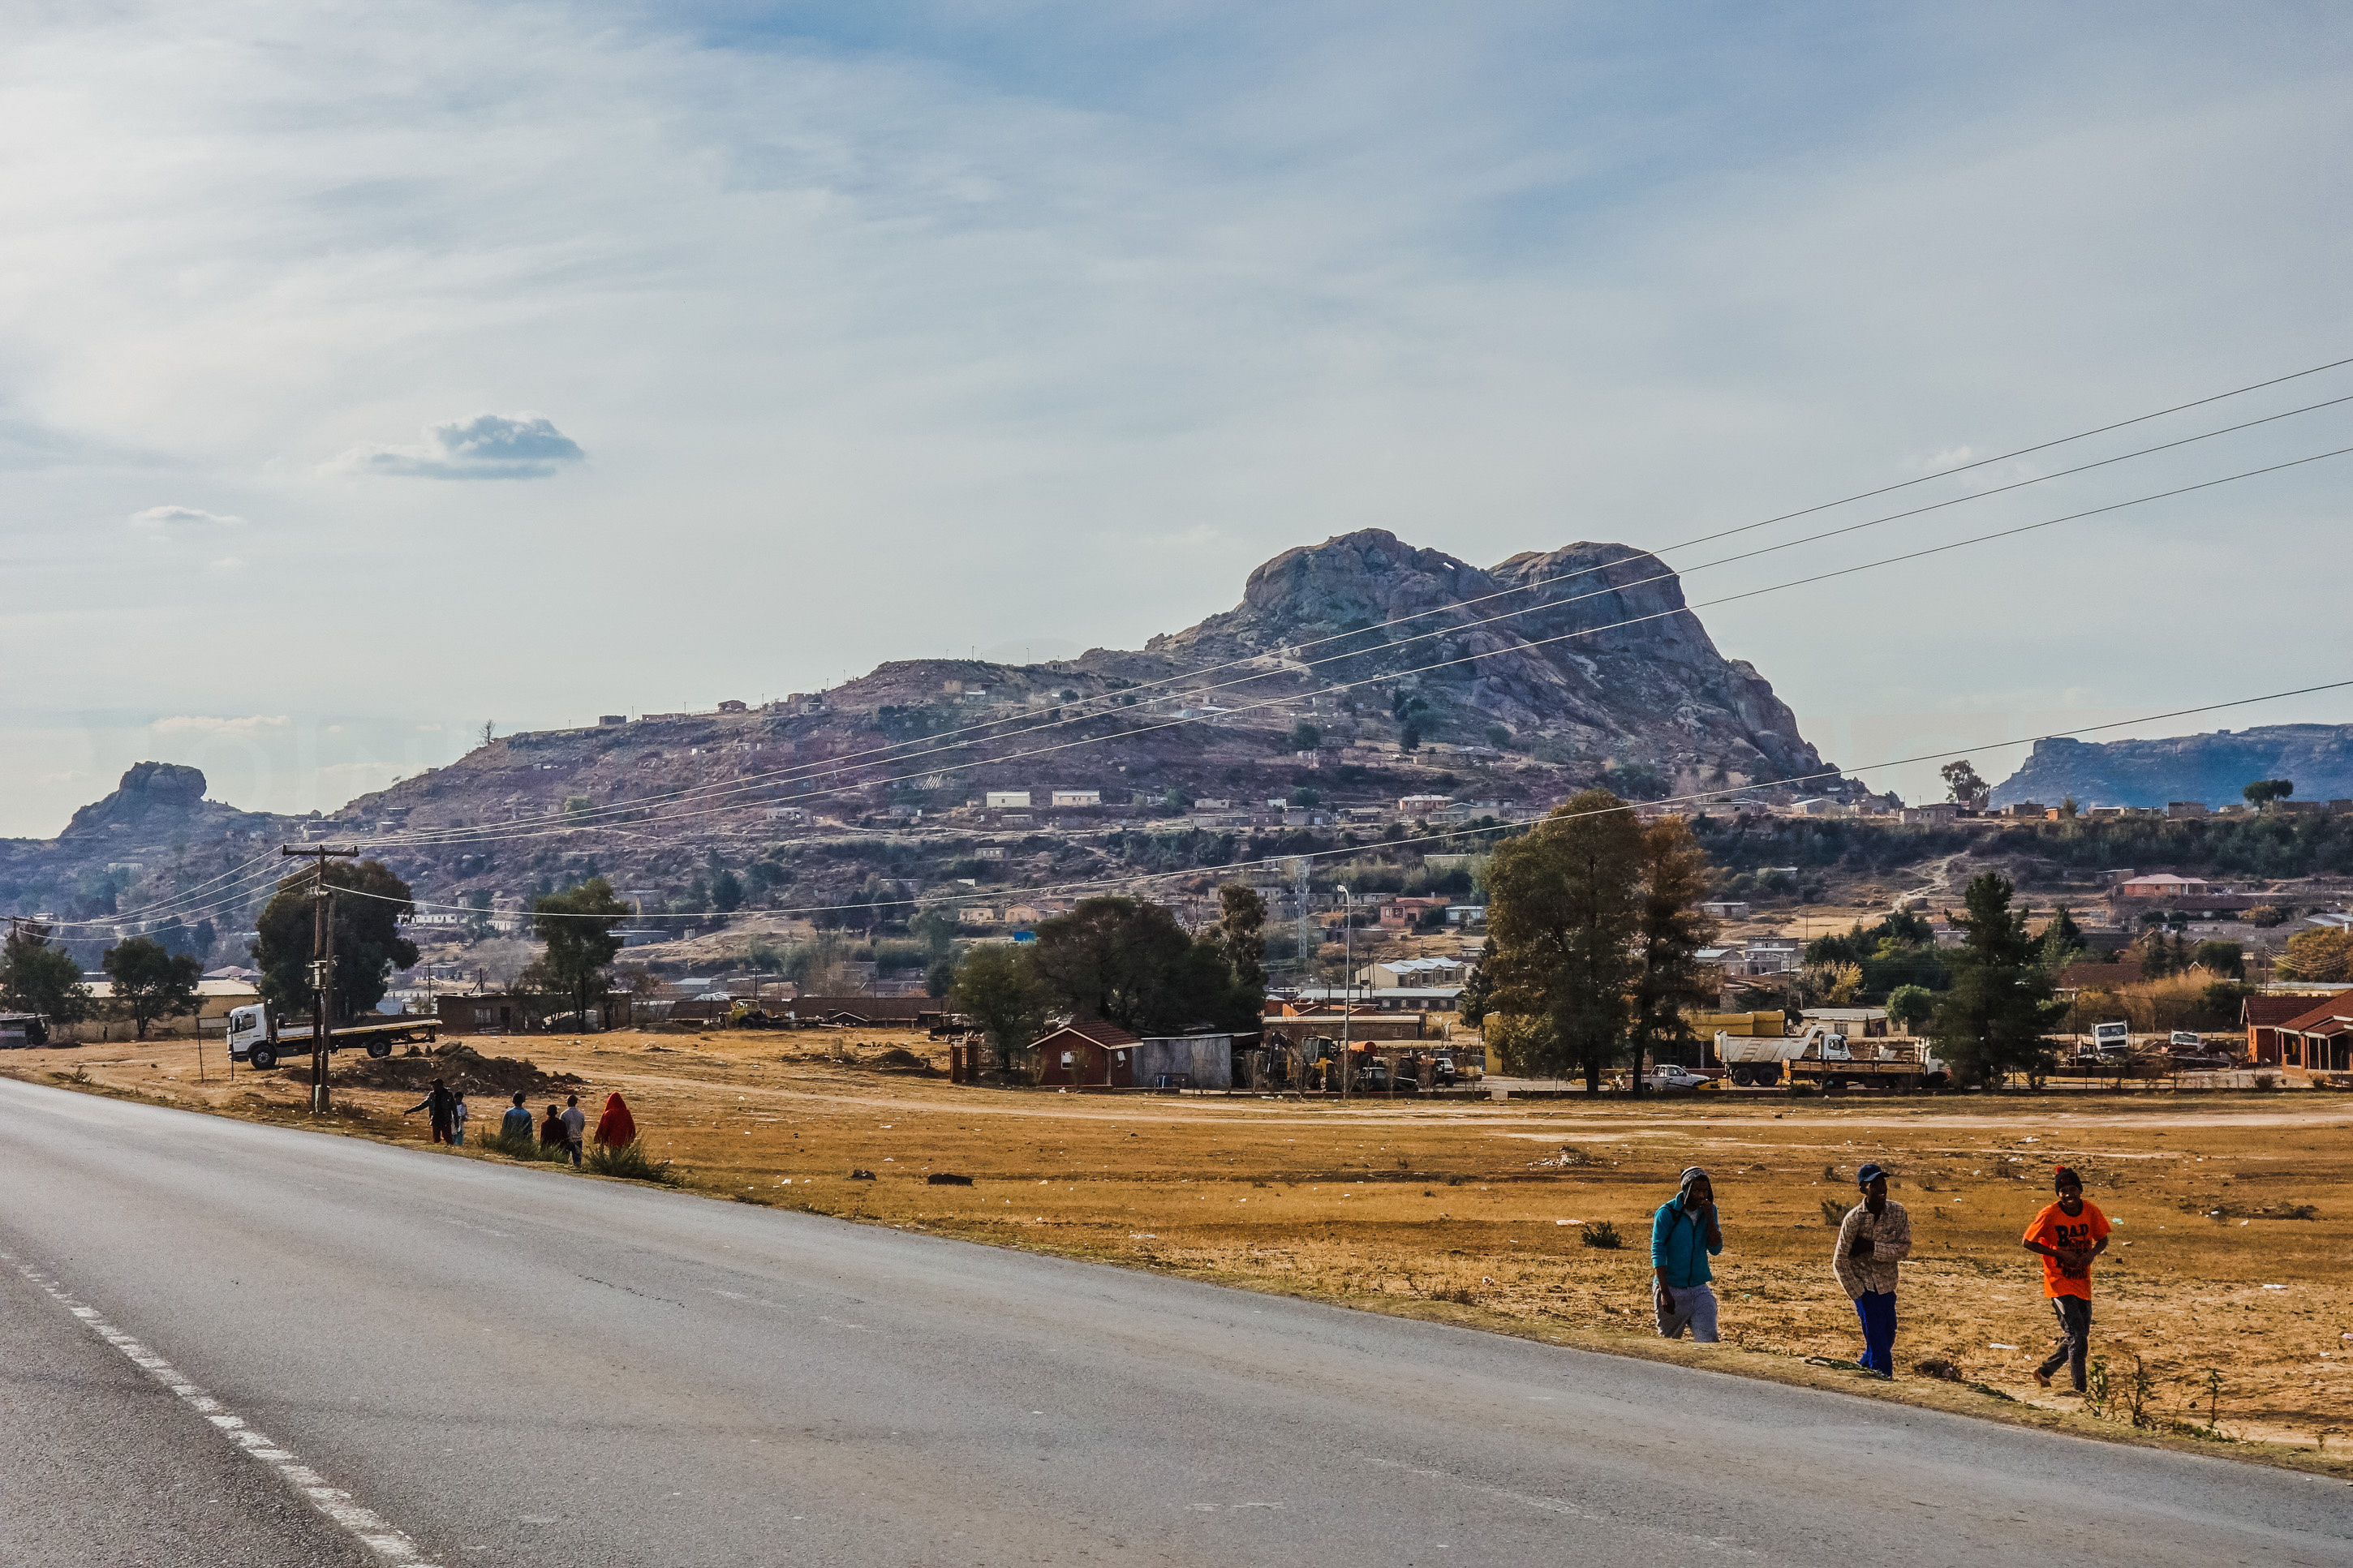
490 835
1695 797
854 758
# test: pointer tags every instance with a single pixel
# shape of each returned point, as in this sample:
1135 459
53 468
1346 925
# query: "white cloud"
199 724
1012 308
177 518
485 447
227 564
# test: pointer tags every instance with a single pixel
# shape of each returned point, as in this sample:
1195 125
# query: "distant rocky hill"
1513 687
1582 653
2209 768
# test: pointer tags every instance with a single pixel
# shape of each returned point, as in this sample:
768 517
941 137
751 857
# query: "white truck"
1824 1054
257 1039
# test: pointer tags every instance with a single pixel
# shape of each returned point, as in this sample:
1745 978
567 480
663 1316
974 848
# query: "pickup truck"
257 1039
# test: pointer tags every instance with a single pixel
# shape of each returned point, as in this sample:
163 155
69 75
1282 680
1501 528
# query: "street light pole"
1347 984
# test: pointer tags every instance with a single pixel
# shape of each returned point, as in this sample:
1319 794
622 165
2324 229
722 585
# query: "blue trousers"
1877 1311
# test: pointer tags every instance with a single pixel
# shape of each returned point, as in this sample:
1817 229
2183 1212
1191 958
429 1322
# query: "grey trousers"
2075 1314
1695 1310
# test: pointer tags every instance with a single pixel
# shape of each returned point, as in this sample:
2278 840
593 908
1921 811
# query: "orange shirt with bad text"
2055 1228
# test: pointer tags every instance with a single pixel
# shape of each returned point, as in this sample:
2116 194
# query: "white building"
1005 799
1074 797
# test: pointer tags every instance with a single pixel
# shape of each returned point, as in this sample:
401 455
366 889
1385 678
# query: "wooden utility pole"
323 959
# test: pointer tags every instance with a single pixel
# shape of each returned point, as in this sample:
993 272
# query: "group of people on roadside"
1873 1237
563 1129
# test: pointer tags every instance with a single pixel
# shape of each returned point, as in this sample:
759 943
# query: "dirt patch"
463 1066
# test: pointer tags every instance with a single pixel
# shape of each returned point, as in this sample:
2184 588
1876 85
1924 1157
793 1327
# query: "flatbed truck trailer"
1821 1056
257 1039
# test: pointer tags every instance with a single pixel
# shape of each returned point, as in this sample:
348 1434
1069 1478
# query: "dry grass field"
2225 1285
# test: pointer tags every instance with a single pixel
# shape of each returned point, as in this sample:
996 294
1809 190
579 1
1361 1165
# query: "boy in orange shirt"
2068 1234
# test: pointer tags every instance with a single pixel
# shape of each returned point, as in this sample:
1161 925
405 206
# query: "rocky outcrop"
1588 650
152 794
2211 768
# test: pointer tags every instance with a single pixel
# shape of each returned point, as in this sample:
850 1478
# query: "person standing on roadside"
617 1129
551 1128
575 1126
1875 1235
1684 1236
2068 1234
515 1126
457 1116
438 1102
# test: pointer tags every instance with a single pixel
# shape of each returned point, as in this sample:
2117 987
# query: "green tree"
997 987
576 924
1669 932
2263 791
726 892
1961 780
151 982
37 978
940 977
1564 911
2226 958
1908 1006
1129 963
1305 737
1475 1002
1241 936
933 925
370 904
1995 1019
1409 735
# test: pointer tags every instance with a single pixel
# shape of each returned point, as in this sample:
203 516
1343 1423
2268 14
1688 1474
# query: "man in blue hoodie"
1684 1236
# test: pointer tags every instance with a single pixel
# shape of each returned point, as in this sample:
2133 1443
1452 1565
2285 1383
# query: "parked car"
1672 1079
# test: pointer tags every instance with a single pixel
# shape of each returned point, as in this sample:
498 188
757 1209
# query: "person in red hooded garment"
617 1129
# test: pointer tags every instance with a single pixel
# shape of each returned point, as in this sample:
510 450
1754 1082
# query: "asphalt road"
497 1365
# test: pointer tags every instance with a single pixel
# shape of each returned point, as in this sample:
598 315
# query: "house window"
483 1017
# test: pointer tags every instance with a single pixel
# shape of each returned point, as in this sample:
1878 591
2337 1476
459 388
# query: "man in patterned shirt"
1875 1235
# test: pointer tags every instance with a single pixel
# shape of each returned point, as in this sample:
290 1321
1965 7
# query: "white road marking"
370 1529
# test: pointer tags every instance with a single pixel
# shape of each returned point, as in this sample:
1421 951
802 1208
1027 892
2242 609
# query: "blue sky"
580 359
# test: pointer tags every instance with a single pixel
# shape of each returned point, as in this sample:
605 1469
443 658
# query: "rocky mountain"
1584 653
155 833
1352 673
2209 768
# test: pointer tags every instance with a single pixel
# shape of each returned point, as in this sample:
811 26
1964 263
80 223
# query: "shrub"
1600 1233
629 1161
524 1148
1834 1213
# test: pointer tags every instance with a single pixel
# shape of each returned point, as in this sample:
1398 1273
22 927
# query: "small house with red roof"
2321 1040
